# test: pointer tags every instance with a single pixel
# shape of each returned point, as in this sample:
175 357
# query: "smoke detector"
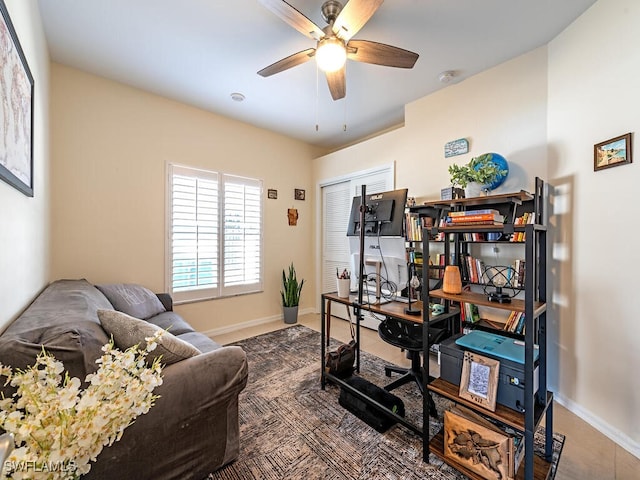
446 76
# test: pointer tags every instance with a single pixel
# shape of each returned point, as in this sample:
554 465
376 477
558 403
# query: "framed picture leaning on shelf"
479 381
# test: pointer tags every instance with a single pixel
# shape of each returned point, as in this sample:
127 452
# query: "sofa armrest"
191 430
166 301
205 375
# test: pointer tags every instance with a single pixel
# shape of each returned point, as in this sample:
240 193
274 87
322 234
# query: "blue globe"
500 162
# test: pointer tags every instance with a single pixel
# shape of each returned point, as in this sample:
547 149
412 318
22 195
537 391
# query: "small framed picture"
479 381
298 194
612 153
272 193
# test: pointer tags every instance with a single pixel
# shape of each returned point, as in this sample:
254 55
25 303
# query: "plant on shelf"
479 169
290 294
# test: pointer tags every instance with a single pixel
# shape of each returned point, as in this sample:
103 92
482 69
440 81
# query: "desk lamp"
413 283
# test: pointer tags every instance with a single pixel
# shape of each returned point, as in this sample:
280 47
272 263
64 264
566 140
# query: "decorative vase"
452 283
290 314
473 189
344 285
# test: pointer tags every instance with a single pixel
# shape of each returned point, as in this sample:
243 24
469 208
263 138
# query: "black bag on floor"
369 414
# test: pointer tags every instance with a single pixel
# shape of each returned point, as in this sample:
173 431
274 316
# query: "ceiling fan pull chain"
317 94
344 125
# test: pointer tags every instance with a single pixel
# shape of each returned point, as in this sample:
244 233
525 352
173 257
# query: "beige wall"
512 97
594 94
24 221
544 111
110 147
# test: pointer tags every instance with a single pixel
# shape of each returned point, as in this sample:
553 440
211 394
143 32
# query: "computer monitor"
384 214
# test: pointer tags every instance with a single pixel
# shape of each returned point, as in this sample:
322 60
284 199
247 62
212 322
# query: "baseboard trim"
603 427
251 323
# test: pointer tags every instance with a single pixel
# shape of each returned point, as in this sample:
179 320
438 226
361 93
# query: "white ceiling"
200 51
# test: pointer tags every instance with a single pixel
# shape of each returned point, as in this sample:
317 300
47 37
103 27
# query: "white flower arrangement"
58 427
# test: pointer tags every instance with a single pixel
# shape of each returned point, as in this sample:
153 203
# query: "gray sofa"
192 429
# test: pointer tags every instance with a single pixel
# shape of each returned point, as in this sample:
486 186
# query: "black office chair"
408 336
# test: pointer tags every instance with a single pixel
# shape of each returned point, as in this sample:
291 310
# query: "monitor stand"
378 265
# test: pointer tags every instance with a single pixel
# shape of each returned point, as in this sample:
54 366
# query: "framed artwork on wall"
16 109
272 193
299 194
612 153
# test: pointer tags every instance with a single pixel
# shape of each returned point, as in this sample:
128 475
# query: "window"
214 234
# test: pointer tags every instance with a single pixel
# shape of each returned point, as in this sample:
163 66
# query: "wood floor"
587 454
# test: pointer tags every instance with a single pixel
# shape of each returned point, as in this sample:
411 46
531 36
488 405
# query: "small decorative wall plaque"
456 147
298 194
292 215
272 193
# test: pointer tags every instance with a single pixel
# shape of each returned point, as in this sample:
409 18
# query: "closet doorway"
337 196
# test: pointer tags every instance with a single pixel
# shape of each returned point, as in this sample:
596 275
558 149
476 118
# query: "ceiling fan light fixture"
331 54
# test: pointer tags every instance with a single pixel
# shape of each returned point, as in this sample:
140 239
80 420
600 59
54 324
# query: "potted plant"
481 170
290 295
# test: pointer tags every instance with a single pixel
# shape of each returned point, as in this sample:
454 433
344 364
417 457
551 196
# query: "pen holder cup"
343 287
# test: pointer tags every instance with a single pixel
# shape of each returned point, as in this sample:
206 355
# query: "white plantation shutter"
242 235
215 234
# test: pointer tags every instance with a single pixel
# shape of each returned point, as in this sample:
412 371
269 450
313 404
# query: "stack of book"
475 217
524 219
414 224
515 323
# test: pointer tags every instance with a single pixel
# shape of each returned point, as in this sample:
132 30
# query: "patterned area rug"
292 429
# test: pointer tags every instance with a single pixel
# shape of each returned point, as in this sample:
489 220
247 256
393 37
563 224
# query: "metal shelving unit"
537 405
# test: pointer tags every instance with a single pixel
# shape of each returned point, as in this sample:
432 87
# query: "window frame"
204 293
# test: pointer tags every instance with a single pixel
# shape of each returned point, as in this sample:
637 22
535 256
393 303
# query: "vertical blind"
215 234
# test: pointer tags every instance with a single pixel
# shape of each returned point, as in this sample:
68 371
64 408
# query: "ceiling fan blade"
293 17
353 17
289 62
337 83
380 54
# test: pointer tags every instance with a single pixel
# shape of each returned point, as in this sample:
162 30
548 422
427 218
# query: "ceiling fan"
334 45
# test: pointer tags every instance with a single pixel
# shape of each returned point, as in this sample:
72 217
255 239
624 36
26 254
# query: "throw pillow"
128 331
134 300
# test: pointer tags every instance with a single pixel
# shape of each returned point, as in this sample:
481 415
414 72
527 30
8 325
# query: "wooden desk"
391 309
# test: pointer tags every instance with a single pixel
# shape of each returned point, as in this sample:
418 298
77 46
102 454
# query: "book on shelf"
469 312
415 257
474 223
496 217
486 211
525 219
518 273
414 224
474 237
515 323
471 268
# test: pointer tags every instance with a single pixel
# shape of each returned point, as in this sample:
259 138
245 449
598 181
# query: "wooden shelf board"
516 305
517 197
541 468
504 414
